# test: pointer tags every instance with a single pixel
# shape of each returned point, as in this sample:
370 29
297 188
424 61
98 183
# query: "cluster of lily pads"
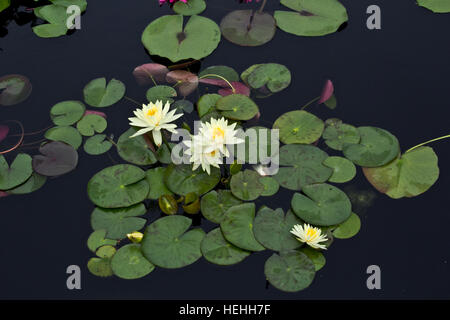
127 196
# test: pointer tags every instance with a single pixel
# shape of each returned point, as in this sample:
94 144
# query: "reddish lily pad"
149 72
14 88
56 158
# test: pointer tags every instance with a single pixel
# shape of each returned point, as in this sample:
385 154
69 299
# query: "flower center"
213 153
151 112
218 132
311 234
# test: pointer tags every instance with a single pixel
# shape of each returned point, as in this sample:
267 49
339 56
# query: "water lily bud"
135 237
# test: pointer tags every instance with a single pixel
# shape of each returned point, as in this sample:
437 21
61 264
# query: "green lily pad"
248 27
66 113
118 186
100 267
215 204
408 176
129 263
290 271
299 127
245 185
50 30
4 4
301 165
216 249
56 158
224 71
16 174
343 169
105 251
190 8
376 148
14 89
273 76
271 186
168 244
163 154
237 107
65 134
135 150
98 94
337 134
272 229
35 182
182 180
118 222
311 17
91 124
162 93
237 227
348 228
97 145
259 152
323 205
206 103
437 6
183 106
315 256
98 239
167 38
155 179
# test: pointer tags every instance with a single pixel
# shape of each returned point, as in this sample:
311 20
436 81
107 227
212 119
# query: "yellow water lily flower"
218 134
153 117
202 154
309 235
135 237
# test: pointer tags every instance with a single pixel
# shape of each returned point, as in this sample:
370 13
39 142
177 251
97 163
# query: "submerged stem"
310 102
220 77
429 141
132 100
262 7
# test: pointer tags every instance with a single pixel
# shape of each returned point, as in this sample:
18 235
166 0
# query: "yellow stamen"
151 112
218 132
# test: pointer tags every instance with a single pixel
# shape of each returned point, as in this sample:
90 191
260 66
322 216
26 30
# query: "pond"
395 78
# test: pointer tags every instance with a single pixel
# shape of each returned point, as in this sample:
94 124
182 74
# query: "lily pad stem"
429 141
220 77
134 101
164 139
311 102
262 7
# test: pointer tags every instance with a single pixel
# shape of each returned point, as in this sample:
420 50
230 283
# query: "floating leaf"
272 229
273 76
66 134
167 38
144 73
271 186
168 204
16 88
98 94
189 8
245 185
237 227
105 252
337 134
183 106
237 107
408 176
206 103
215 204
343 170
66 113
248 27
163 93
437 6
91 124
186 81
4 4
239 88
155 179
100 267
118 222
98 239
224 71
312 17
323 205
216 249
259 152
301 165
348 228
315 256
168 244
35 182
299 127
16 174
182 180
97 145
290 271
50 30
135 150
129 263
56 158
376 148
118 186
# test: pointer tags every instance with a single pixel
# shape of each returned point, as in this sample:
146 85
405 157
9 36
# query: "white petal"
157 137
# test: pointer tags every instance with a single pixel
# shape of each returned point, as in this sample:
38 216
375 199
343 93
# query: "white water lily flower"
309 235
153 117
202 154
218 135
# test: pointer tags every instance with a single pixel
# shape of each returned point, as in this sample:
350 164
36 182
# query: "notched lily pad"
189 8
35 182
98 94
14 89
337 134
245 185
299 127
215 204
343 170
66 113
161 92
216 249
135 150
437 6
16 174
237 107
348 228
273 76
129 263
97 145
91 124
98 239
56 158
66 134
155 179
182 180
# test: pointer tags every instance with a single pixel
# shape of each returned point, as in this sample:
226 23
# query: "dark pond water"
395 78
